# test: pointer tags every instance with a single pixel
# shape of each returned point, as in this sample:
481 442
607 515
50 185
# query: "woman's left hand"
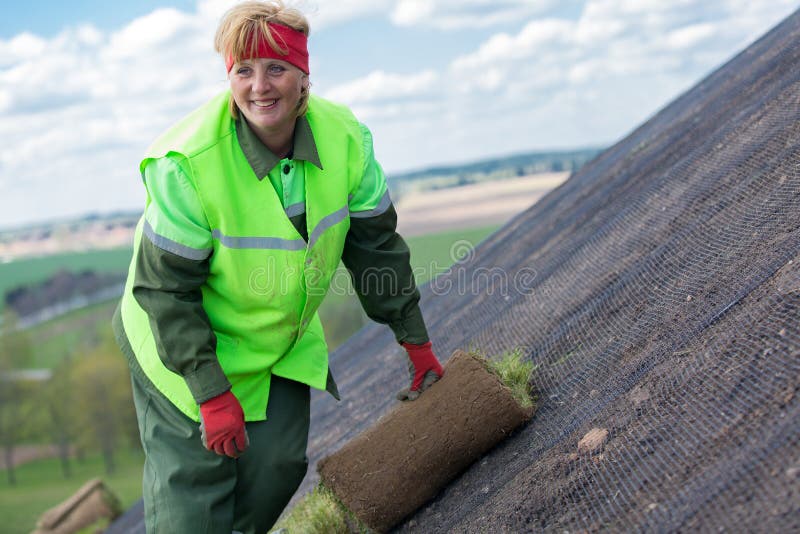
222 426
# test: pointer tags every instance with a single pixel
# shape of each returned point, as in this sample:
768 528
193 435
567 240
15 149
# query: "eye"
244 71
274 68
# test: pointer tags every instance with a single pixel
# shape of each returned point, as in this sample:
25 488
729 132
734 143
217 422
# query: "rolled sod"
390 470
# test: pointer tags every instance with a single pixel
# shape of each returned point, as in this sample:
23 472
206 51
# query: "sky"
86 86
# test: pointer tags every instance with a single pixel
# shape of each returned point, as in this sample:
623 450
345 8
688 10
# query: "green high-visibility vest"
265 282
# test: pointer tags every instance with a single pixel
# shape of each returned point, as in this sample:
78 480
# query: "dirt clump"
593 441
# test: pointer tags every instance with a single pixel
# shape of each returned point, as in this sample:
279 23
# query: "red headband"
286 37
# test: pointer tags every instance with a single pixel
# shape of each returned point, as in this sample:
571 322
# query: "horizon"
124 212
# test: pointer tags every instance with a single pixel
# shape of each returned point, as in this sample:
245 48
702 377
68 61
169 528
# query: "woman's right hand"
425 370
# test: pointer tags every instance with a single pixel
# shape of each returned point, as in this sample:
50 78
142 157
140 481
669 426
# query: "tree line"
84 406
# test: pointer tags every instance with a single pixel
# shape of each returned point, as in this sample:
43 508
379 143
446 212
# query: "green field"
40 486
69 333
34 270
341 311
431 254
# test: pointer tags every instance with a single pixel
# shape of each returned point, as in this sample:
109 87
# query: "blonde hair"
245 20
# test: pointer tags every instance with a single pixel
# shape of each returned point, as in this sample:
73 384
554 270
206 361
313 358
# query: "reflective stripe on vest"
258 242
265 284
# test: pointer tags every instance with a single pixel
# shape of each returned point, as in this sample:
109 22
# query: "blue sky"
85 86
49 17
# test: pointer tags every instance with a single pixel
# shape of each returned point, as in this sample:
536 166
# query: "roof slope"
658 289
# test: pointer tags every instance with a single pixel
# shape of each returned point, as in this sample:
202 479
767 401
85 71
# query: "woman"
252 200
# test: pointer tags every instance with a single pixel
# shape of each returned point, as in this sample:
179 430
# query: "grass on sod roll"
320 512
516 374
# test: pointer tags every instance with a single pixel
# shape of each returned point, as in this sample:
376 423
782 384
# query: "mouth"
265 104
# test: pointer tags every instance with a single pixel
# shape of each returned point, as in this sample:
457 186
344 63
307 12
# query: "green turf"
516 374
40 486
320 512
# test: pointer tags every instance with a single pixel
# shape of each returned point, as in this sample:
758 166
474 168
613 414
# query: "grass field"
34 270
433 252
341 312
63 335
40 486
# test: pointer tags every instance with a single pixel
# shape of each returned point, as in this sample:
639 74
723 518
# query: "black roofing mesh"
658 290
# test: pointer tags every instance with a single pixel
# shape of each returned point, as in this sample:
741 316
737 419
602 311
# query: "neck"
280 142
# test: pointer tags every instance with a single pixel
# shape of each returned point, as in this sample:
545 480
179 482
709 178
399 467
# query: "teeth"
265 103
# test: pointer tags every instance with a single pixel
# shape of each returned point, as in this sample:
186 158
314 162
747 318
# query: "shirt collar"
263 160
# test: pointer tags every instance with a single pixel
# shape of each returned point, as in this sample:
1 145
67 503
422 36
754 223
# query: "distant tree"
59 395
105 412
15 351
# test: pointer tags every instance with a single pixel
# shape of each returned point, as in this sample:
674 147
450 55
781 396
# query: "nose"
261 83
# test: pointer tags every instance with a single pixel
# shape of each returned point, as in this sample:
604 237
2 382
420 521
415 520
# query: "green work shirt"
167 285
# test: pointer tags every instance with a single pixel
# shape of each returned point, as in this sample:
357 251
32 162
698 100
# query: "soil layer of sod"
393 468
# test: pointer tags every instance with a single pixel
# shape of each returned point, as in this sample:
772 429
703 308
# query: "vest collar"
263 160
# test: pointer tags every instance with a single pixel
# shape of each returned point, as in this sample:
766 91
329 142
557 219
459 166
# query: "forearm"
379 263
167 287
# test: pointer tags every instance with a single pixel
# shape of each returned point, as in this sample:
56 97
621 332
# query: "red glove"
424 367
222 425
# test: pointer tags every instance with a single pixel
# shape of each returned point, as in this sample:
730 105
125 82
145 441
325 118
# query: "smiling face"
267 92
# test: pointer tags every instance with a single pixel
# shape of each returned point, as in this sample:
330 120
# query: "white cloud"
381 86
611 38
689 36
19 47
408 12
557 81
537 37
149 34
77 109
320 13
87 35
214 9
326 13
441 14
457 14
